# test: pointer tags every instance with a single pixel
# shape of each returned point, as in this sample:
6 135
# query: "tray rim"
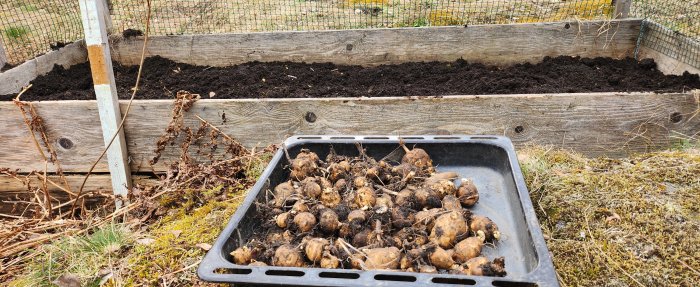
543 274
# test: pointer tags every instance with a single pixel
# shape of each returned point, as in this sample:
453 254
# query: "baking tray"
489 160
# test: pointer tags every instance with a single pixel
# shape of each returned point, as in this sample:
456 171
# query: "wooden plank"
493 44
622 9
92 14
674 53
12 189
666 64
3 56
12 81
612 124
96 182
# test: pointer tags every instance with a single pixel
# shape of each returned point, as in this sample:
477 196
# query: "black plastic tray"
489 160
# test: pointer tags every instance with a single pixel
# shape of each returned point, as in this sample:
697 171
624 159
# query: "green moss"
176 237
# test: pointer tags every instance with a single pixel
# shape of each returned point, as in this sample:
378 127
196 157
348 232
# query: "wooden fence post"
92 13
3 56
622 9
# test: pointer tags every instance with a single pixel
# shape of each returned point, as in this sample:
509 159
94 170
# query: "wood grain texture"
12 81
12 190
96 182
622 9
3 56
673 52
493 44
595 124
666 64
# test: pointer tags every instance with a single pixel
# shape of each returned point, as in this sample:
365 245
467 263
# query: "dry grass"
619 222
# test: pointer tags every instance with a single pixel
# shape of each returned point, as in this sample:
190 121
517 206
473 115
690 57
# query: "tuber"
242 255
382 258
314 248
446 229
304 165
417 157
467 193
365 197
282 220
305 221
440 258
310 188
468 248
480 266
451 202
328 221
485 225
288 256
283 193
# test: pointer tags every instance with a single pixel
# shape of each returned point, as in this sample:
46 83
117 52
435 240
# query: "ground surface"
607 222
162 78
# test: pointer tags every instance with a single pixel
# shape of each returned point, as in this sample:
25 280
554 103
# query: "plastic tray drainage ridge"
490 161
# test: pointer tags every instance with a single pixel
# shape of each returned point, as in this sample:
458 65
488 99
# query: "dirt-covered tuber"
485 225
446 229
305 221
288 256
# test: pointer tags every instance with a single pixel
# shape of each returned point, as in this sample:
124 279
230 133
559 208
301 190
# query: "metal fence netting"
31 27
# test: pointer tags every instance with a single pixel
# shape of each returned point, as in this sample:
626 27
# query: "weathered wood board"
673 52
13 190
493 44
12 80
611 124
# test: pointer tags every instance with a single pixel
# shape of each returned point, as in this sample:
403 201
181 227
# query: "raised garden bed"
564 74
606 121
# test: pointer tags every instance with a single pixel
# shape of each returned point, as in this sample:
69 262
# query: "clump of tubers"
364 213
304 165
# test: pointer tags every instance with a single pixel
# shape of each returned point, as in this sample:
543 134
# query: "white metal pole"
92 13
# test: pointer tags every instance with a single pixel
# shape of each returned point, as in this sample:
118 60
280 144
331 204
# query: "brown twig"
128 106
20 105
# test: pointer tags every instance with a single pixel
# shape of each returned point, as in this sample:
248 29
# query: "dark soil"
162 78
57 45
128 33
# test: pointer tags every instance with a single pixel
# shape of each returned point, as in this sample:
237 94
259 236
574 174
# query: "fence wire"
30 27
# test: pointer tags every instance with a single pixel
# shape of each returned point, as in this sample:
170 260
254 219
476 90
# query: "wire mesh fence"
31 27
